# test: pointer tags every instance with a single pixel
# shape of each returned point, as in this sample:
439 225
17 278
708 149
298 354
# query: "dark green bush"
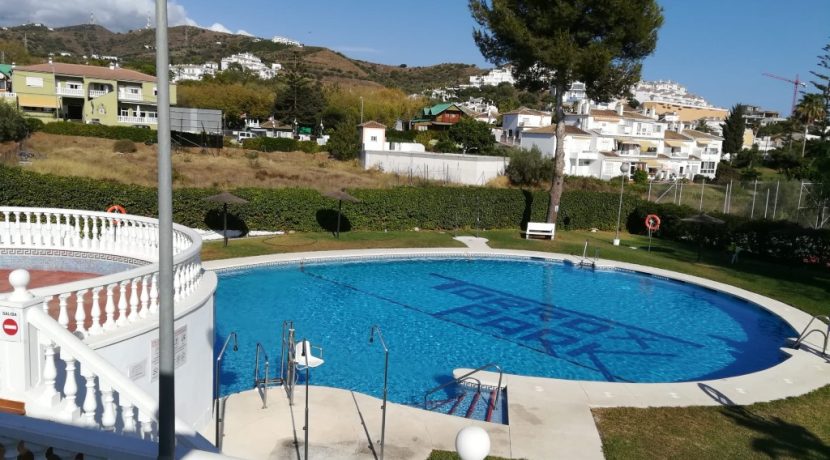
528 167
308 146
34 125
640 177
106 132
271 144
124 146
12 124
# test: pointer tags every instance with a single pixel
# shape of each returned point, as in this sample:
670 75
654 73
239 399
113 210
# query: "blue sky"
717 48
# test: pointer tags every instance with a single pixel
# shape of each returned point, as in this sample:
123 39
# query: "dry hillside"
227 168
194 45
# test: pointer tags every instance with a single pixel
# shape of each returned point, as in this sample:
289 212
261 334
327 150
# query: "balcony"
98 92
129 96
67 91
138 120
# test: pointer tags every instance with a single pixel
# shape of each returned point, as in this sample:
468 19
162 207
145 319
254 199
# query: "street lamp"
624 169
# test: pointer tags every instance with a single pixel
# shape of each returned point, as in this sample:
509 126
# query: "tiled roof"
90 71
674 135
276 125
526 111
604 113
551 129
700 135
372 124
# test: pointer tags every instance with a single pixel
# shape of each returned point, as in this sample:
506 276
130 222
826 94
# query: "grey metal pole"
775 202
306 351
754 193
167 386
385 384
702 189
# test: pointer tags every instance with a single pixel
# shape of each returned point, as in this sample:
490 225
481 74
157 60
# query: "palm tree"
809 110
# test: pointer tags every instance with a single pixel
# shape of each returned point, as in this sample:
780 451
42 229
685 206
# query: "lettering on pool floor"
580 338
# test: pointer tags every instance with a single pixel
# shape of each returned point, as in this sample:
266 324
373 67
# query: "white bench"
540 229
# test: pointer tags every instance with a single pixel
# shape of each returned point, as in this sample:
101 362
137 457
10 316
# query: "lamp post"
624 169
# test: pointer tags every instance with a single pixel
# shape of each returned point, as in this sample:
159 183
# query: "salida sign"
9 325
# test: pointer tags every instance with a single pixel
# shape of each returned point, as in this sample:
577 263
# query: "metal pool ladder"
467 376
807 331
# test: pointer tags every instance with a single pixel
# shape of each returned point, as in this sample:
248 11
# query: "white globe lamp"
472 443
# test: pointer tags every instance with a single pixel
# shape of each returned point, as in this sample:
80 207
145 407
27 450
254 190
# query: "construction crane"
796 83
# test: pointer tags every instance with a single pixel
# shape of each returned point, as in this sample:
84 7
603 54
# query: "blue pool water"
538 318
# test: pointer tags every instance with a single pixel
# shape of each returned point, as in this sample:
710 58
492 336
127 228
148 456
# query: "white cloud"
216 27
117 15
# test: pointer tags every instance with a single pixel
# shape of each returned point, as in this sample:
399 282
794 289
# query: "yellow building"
90 94
685 112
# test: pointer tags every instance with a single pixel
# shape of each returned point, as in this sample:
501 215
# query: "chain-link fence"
774 200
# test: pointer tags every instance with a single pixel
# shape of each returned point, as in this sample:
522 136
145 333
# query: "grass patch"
788 428
301 242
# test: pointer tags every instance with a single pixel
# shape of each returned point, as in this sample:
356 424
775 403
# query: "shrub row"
399 208
772 240
280 144
106 132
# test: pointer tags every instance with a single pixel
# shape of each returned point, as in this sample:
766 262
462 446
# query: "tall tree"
302 99
553 43
733 131
809 110
822 84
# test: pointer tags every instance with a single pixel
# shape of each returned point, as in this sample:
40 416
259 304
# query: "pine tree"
733 131
822 84
552 44
302 100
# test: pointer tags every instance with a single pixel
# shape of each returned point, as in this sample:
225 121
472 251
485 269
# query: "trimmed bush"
106 132
271 144
398 208
12 124
34 125
124 146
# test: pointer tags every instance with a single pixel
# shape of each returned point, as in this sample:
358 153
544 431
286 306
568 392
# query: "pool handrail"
218 411
260 347
464 377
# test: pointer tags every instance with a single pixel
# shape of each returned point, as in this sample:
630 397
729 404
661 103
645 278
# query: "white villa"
251 62
521 119
193 72
598 142
494 77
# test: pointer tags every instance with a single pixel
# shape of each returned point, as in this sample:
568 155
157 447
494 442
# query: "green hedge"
106 132
398 208
773 240
271 144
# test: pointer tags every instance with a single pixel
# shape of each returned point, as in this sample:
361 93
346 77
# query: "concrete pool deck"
549 418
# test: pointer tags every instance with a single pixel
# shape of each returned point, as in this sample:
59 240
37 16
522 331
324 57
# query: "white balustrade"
131 295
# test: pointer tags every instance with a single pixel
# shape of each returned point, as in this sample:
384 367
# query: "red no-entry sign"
10 327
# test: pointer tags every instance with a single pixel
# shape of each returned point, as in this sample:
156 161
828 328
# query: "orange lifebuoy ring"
653 222
117 208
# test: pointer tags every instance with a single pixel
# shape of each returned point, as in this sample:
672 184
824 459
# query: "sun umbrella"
702 219
340 196
226 198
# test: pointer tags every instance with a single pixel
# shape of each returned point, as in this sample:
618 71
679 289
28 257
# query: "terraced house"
89 94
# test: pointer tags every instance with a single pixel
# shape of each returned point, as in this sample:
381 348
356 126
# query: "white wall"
451 167
194 378
373 138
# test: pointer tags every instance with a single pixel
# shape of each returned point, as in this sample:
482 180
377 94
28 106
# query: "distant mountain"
188 44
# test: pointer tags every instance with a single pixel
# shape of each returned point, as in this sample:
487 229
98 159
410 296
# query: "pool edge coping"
802 372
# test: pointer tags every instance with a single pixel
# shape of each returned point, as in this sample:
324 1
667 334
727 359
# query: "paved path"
473 242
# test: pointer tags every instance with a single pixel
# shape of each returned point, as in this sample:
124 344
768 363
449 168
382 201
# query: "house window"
34 82
707 167
374 138
74 85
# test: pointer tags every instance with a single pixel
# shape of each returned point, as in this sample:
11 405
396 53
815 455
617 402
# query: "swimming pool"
532 317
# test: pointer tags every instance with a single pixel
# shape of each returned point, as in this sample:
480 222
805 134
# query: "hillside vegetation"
190 44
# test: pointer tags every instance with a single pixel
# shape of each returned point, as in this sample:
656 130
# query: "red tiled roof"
701 135
551 129
674 135
372 124
526 111
90 71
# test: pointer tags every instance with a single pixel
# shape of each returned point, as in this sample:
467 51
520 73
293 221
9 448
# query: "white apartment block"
494 77
599 142
193 72
285 41
515 122
252 63
669 92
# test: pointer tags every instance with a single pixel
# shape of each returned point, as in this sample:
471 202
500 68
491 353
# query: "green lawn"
790 428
